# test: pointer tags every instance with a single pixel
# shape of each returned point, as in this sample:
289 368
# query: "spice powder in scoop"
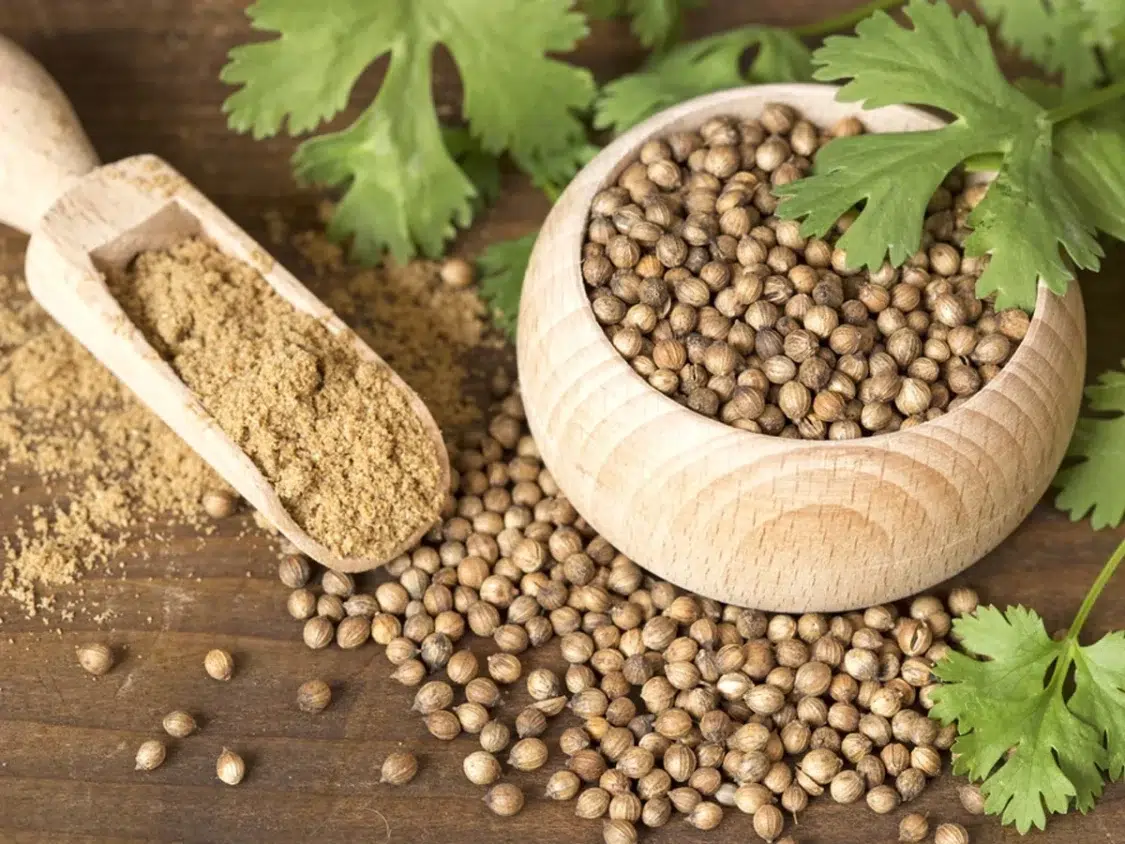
347 455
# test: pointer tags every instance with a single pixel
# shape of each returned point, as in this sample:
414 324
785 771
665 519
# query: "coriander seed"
951 833
230 768
220 503
913 828
294 571
494 737
592 803
219 664
481 768
150 755
563 785
313 696
95 658
398 769
768 822
301 604
618 832
179 724
319 632
353 632
971 799
504 799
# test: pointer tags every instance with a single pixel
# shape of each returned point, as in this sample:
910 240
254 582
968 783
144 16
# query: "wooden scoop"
85 219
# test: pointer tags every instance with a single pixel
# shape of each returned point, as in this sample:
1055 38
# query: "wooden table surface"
143 76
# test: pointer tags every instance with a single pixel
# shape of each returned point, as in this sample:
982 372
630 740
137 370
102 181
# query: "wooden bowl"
778 524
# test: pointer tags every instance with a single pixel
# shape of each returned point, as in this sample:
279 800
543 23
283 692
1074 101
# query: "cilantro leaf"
701 67
502 267
1030 746
1099 695
1107 17
945 62
1091 156
404 190
1095 484
1056 34
482 169
1027 211
655 22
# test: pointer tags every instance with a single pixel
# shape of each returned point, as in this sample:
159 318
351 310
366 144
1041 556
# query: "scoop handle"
43 147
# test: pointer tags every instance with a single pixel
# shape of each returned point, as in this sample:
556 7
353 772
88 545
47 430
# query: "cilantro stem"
846 20
1095 591
1086 102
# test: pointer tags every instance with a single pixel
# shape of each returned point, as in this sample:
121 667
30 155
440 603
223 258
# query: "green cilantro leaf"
1034 750
404 190
1059 35
1095 484
1091 156
482 169
502 267
945 62
655 22
701 67
1099 695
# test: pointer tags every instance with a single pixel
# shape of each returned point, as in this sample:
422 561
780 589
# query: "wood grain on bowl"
759 521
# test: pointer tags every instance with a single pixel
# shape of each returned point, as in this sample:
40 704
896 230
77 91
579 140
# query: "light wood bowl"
758 521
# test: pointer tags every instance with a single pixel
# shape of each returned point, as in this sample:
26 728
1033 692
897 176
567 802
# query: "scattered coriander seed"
971 799
179 724
399 769
618 832
592 803
294 571
504 668
95 658
913 828
150 755
768 822
353 632
462 667
229 767
301 604
563 785
219 664
472 716
220 503
883 799
504 799
707 815
313 696
951 833
494 737
443 725
433 696
338 583
319 632
481 768
528 754
410 673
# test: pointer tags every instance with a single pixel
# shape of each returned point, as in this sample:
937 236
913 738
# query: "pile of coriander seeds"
674 706
729 310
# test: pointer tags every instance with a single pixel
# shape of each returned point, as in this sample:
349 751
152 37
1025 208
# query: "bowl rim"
598 172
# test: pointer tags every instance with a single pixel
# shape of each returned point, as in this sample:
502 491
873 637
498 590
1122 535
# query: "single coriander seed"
951 833
179 724
219 664
971 799
229 767
504 799
294 571
481 768
150 755
399 769
313 696
220 503
618 832
96 658
913 828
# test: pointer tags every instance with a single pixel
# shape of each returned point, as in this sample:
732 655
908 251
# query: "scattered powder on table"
350 460
111 465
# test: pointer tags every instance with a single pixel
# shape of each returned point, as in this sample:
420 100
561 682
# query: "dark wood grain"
143 76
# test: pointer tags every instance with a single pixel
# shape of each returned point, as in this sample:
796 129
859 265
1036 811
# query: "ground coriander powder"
348 457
